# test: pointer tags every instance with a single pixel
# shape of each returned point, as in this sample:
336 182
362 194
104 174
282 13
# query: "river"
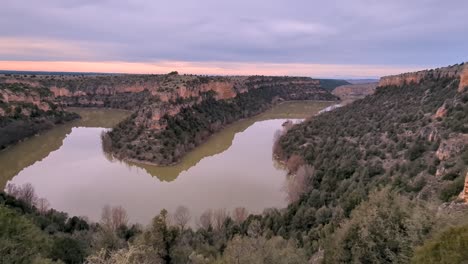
234 168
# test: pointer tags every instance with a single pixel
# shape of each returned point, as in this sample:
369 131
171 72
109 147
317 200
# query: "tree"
114 217
219 216
119 217
451 246
239 214
131 255
25 193
42 205
383 229
20 240
206 219
68 249
294 162
296 184
182 216
159 238
261 250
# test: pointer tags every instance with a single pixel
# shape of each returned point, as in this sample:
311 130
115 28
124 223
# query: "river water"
234 168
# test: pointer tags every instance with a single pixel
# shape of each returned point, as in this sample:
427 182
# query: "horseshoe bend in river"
233 168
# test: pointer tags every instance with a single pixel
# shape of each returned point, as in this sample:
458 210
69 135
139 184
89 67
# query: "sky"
333 38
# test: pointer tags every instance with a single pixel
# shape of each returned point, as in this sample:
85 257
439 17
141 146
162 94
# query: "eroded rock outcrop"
464 194
456 71
26 96
463 79
451 147
354 91
26 110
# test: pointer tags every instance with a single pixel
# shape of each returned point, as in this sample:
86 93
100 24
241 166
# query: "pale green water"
67 166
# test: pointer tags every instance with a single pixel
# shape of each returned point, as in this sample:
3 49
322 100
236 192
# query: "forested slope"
410 139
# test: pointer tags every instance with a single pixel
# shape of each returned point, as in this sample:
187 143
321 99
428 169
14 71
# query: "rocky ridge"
455 71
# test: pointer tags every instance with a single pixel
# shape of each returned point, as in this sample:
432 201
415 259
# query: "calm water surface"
67 166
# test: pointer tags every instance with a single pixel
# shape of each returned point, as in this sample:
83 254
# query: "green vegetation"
451 246
20 240
383 229
31 233
382 140
27 111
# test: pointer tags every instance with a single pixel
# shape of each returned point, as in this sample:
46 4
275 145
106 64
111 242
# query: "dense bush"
451 246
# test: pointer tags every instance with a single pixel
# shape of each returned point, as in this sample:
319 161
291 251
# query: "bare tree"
43 205
119 217
25 193
206 219
12 190
296 184
28 194
239 214
219 216
106 217
294 162
182 216
114 217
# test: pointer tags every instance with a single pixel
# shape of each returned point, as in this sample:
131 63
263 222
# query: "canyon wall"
27 109
457 71
11 97
354 91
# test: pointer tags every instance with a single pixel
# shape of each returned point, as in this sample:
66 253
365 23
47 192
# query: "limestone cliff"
12 97
456 71
25 110
354 91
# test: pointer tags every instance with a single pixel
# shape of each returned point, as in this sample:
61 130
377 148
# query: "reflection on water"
31 150
233 168
222 140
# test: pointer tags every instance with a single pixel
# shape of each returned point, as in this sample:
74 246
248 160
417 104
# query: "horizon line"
314 70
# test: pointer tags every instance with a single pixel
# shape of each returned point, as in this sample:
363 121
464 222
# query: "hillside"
411 137
26 110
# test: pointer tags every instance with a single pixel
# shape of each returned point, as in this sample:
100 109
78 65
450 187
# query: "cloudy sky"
333 38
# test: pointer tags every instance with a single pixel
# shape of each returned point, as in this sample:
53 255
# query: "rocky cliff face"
23 97
456 71
119 91
228 88
354 91
25 110
32 97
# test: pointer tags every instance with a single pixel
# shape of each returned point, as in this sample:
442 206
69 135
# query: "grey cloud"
428 32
